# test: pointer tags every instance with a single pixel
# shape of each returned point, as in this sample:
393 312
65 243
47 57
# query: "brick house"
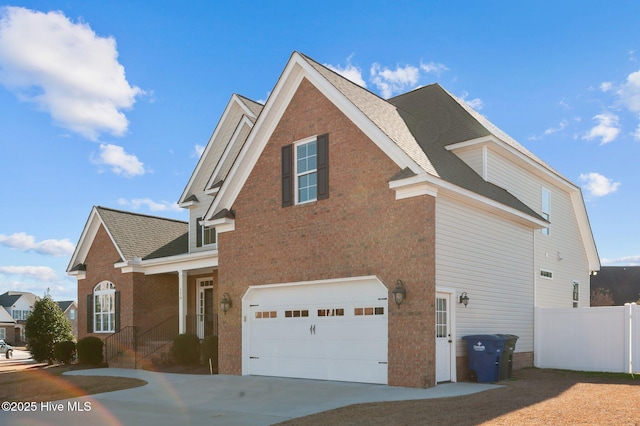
19 305
335 235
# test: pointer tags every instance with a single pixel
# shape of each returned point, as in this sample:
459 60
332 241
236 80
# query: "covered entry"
329 329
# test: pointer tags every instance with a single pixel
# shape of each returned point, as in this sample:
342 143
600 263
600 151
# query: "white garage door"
331 330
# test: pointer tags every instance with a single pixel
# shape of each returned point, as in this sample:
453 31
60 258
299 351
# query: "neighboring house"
615 286
19 304
310 217
70 310
7 326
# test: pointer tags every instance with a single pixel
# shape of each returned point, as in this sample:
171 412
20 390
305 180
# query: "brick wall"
99 262
145 300
360 230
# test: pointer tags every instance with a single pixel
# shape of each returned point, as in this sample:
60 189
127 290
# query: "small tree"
45 327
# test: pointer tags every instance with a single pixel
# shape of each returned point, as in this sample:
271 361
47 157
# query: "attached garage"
329 330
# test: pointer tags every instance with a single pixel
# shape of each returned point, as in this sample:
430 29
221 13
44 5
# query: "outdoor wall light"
399 293
225 303
464 299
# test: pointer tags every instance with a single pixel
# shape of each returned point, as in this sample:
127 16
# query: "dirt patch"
48 384
532 397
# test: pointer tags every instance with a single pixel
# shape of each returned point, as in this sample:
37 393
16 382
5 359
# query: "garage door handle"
312 329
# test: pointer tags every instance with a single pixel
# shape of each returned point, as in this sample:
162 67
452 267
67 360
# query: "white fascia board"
181 262
188 204
439 186
518 157
552 177
212 191
297 68
221 124
224 224
584 226
413 186
86 239
244 121
80 275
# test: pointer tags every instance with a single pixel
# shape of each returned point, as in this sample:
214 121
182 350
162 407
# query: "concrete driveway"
182 399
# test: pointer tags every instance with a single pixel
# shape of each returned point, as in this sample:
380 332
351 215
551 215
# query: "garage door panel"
335 331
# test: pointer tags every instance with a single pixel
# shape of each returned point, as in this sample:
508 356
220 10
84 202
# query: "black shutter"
198 232
117 311
90 313
323 167
287 175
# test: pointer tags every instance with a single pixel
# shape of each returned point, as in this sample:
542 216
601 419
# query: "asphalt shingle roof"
143 236
422 123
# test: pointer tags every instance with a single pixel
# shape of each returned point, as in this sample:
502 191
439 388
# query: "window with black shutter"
305 171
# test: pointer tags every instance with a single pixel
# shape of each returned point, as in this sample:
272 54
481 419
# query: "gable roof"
413 135
437 119
64 305
222 148
394 125
5 317
135 236
9 298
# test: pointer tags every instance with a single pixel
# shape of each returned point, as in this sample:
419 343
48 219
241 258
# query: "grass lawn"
48 384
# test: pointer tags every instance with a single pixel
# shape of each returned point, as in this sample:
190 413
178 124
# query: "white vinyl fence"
603 339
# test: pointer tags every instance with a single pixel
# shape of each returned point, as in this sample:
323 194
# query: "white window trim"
546 210
295 169
3 333
206 228
575 302
544 277
111 290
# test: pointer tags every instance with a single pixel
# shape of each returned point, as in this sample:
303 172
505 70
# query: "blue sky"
110 103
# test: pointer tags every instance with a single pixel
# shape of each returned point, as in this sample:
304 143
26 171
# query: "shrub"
90 350
45 327
186 349
64 351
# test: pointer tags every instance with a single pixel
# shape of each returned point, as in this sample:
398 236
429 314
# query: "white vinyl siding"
474 158
201 181
492 260
561 251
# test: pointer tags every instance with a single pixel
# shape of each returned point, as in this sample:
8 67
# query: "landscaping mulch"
532 397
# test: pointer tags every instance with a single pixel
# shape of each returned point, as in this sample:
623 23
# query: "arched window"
104 304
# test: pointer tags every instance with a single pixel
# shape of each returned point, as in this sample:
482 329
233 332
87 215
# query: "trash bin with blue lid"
485 352
506 360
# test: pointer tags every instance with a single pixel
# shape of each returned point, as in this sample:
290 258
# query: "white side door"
444 340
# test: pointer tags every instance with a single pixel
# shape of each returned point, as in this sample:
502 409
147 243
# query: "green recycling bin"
506 360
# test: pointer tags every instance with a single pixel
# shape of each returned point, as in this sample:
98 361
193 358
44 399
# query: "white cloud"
199 150
23 242
154 206
41 273
629 92
350 72
121 163
606 86
433 67
391 82
607 130
561 126
65 69
475 103
598 185
626 260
